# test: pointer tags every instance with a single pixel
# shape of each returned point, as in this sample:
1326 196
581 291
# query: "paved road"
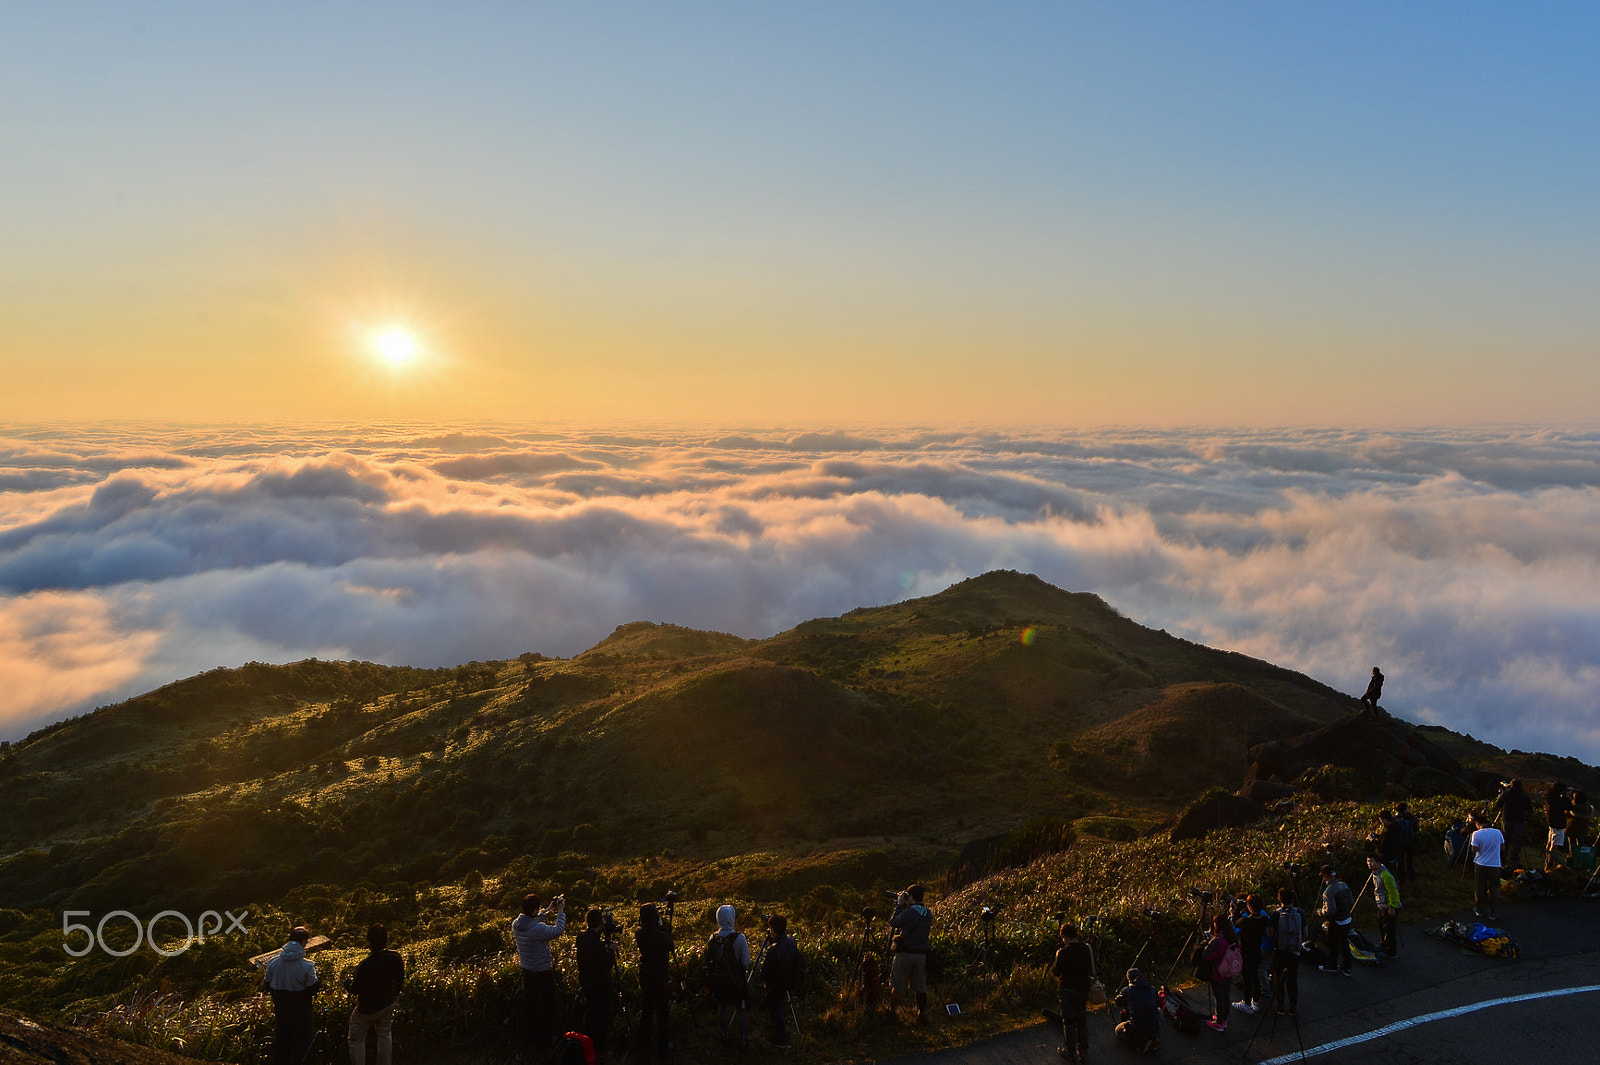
1560 942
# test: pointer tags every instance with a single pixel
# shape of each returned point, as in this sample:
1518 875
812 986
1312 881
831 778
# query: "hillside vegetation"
807 771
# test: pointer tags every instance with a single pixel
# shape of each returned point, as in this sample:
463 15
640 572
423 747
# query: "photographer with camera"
779 968
1288 932
655 976
1513 804
1074 970
1140 1011
533 930
912 923
597 960
1254 926
1337 903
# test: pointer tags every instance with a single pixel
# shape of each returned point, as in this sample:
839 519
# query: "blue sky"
1235 214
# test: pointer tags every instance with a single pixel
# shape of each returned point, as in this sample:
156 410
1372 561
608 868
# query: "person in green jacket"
1386 893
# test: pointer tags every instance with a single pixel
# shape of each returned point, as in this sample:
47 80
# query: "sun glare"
395 345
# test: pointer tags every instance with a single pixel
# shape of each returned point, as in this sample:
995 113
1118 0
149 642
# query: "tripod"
1273 1033
1588 889
1199 929
985 959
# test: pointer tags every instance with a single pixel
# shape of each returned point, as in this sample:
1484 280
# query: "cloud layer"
1466 564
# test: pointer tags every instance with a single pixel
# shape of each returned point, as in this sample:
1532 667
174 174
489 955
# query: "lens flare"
1029 634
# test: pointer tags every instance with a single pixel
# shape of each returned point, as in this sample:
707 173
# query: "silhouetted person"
1557 807
292 980
778 972
1074 972
1514 805
597 959
1374 689
655 974
376 986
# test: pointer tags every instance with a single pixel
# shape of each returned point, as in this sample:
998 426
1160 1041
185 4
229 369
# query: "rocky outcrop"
1383 752
1216 811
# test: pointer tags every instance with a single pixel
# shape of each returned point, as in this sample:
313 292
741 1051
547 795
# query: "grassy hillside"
810 771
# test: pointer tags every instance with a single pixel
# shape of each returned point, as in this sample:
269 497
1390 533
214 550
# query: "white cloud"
1466 564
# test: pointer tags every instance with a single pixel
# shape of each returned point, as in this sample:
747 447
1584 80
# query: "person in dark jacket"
1140 1007
655 974
778 970
597 960
1410 827
376 986
1073 969
292 980
1557 807
912 923
1288 935
1254 925
1374 689
1514 805
1337 902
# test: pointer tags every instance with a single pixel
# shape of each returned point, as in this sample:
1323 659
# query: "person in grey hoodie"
533 930
291 978
726 949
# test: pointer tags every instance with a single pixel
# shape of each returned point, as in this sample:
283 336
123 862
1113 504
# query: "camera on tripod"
987 914
1205 897
609 928
868 914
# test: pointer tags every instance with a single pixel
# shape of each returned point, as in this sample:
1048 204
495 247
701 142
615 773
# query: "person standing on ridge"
912 923
1374 689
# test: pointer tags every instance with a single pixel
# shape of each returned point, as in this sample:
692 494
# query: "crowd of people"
1260 950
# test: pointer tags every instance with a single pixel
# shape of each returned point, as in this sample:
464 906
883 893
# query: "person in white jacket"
727 971
291 978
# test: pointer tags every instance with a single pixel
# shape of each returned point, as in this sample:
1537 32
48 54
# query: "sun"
394 345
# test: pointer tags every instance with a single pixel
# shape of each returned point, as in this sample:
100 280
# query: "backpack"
1291 929
1408 828
724 974
574 1048
1183 1017
1230 965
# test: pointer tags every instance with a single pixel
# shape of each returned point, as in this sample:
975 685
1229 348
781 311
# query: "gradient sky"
1236 214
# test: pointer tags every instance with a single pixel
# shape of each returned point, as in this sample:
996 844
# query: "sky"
1465 563
434 332
1062 214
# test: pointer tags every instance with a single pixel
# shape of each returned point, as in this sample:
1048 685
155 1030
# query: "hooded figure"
727 969
292 980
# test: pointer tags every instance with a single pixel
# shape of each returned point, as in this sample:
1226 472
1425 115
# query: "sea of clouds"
1466 564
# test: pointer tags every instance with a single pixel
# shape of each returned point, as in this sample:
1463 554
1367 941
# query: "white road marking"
1442 1015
